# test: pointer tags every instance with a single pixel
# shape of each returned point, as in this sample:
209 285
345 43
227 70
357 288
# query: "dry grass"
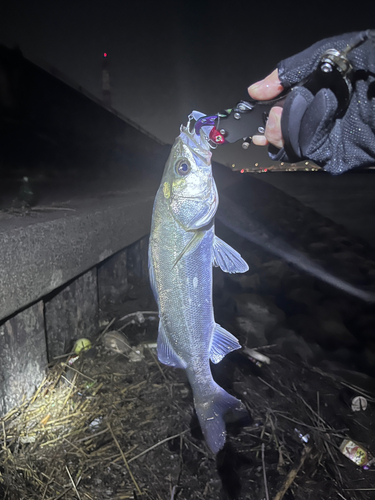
106 427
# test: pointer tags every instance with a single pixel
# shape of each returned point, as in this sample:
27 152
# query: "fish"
183 249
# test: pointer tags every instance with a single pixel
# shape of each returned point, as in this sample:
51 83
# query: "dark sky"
167 58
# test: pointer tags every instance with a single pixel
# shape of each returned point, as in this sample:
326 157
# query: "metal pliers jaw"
243 121
197 123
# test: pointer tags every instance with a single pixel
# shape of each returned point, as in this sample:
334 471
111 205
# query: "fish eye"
182 167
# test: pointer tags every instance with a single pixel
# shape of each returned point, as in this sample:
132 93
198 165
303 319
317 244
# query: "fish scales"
183 249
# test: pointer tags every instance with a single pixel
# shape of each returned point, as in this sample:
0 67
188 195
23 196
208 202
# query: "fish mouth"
197 143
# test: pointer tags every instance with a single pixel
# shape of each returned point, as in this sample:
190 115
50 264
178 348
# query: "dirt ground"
121 425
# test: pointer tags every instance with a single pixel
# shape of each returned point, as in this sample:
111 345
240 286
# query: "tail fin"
211 413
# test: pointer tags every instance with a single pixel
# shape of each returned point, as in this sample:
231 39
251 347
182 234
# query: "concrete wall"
49 328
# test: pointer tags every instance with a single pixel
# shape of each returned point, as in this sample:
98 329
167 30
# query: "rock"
343 355
332 324
296 279
351 377
272 274
368 333
302 324
253 260
357 247
257 315
351 276
348 308
371 346
328 232
247 282
348 266
324 326
368 359
343 241
254 305
368 268
224 307
290 306
305 296
365 324
292 344
347 256
320 247
279 332
366 320
254 332
350 273
219 279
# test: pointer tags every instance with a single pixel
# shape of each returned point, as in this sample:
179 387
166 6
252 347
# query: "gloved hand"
309 124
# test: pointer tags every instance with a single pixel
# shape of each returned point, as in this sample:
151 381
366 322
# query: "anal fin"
223 343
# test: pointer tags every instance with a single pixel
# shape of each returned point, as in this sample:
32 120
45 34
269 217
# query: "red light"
105 54
242 170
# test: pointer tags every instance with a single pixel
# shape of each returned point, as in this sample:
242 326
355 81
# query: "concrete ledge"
42 252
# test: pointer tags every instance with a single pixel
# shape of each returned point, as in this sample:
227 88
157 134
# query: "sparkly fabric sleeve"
341 144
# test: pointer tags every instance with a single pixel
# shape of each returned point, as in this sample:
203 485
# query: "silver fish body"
183 249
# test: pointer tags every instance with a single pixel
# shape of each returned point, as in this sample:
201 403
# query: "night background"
168 58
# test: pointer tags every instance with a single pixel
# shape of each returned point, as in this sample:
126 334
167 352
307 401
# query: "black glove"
311 124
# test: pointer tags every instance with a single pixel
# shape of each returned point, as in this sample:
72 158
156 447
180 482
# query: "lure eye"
182 167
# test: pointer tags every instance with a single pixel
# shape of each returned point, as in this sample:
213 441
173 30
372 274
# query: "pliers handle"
249 117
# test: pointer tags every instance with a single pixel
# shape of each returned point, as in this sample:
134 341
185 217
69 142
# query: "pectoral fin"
228 259
166 354
223 343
